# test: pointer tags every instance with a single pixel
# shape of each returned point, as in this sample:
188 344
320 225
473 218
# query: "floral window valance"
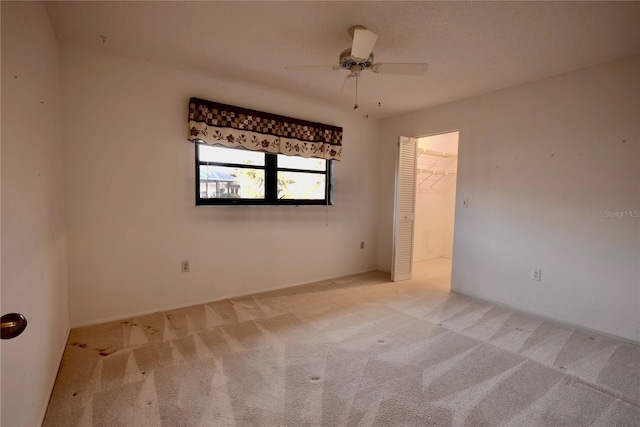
219 124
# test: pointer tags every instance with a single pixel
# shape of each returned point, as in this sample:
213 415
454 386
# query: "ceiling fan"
360 57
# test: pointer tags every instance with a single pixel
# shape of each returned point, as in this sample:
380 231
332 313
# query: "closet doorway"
435 203
424 207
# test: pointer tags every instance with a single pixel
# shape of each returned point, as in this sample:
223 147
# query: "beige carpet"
355 351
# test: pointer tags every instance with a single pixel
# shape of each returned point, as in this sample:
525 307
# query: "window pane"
218 182
230 155
295 162
300 185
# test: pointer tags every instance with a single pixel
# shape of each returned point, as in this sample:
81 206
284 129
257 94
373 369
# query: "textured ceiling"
471 47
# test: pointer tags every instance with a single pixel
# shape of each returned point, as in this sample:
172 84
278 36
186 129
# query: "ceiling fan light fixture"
347 61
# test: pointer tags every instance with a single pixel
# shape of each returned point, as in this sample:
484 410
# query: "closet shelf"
444 155
434 172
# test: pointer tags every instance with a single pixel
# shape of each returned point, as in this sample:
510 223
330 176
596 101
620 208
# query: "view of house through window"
239 176
245 179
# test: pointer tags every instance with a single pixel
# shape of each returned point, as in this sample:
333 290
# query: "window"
236 176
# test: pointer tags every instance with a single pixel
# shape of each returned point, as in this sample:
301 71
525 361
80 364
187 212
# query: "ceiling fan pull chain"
355 107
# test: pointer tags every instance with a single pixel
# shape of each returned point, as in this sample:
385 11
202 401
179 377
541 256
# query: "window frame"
271 170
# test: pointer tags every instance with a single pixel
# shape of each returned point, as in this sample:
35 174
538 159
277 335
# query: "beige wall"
541 164
130 196
34 277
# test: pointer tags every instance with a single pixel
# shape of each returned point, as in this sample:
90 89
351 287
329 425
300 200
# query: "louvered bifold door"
404 210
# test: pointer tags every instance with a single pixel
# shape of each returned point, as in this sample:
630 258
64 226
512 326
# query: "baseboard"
55 376
551 319
222 298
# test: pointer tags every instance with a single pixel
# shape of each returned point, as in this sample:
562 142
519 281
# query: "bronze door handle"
12 325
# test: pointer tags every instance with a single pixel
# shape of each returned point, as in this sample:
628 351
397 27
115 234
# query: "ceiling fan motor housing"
348 62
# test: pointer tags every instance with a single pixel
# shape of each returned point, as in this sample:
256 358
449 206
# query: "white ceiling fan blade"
406 69
363 42
312 67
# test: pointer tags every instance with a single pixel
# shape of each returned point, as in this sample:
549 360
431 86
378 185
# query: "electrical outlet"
536 274
361 245
185 266
465 203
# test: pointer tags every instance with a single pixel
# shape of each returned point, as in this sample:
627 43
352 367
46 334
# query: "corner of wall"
33 260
